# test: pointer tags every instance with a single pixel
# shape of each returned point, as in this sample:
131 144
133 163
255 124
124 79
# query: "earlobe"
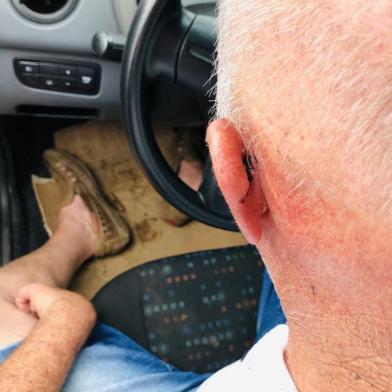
238 181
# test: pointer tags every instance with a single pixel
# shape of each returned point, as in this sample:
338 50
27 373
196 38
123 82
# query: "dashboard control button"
69 71
87 78
48 69
28 67
49 83
67 84
31 80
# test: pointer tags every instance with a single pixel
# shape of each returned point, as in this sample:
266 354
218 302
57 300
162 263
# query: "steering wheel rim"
151 18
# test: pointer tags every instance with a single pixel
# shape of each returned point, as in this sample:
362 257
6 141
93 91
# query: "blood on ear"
250 164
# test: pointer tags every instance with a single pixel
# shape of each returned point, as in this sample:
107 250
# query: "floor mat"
103 147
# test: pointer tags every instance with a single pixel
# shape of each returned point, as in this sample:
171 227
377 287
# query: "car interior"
127 88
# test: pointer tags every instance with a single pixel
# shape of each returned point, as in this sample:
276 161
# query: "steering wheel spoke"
182 49
165 43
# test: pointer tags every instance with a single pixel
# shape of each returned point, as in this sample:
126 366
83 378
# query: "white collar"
262 369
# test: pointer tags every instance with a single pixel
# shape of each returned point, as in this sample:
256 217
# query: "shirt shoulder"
262 369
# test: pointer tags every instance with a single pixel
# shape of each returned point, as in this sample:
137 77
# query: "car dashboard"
46 61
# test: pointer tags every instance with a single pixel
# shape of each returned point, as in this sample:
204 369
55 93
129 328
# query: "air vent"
45 11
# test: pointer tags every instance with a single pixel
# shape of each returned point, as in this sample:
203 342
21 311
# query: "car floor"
24 139
103 147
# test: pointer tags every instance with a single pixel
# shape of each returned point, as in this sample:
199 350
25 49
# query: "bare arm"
44 359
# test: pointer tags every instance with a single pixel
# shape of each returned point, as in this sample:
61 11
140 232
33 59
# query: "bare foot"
76 218
191 173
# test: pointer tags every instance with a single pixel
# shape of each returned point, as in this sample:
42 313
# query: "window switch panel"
57 75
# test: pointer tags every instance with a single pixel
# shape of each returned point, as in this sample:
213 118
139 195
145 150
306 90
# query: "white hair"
320 71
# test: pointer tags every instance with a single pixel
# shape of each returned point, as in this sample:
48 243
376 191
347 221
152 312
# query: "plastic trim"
54 17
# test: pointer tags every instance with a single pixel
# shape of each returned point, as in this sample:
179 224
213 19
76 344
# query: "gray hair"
319 70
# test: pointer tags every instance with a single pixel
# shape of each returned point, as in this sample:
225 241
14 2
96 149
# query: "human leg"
130 367
53 264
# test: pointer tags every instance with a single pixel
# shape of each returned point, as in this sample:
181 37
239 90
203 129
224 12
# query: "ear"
239 184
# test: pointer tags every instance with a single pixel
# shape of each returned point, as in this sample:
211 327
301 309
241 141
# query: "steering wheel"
167 42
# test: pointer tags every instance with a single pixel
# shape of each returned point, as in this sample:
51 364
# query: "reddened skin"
237 178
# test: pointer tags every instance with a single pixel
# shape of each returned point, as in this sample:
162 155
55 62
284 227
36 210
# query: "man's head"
307 86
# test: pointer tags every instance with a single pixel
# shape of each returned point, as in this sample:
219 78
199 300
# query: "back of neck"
340 353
